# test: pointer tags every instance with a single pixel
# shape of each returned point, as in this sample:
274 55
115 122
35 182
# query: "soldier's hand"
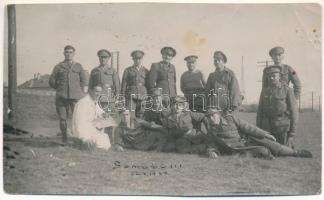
290 142
85 89
117 147
270 137
212 154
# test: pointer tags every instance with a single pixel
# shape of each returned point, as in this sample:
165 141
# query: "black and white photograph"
162 99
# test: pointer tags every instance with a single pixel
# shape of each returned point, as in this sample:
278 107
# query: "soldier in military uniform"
192 84
222 86
228 134
277 111
163 75
138 134
182 136
155 112
70 82
105 75
134 84
288 74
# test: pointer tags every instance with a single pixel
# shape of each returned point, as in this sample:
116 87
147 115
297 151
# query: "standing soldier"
105 75
134 84
277 111
224 85
163 74
288 74
70 82
192 84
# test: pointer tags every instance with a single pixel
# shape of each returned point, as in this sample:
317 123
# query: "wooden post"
12 65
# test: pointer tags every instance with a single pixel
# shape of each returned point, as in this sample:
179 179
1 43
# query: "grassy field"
41 166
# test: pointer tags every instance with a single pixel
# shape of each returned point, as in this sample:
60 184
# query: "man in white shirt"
89 120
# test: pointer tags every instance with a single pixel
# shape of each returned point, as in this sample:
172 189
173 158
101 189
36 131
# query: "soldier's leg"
70 109
183 145
139 112
170 145
281 150
62 111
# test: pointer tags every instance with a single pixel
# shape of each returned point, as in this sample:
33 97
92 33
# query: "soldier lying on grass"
138 134
226 133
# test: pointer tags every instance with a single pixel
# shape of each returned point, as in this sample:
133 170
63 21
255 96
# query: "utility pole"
312 101
319 103
12 63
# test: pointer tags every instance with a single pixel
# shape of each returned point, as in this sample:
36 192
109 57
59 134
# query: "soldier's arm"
84 80
52 80
203 82
116 83
264 79
124 82
152 77
295 81
292 106
234 92
249 129
181 83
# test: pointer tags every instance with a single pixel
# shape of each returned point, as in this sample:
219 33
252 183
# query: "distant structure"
38 82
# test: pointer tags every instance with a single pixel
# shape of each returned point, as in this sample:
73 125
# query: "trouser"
196 103
192 145
136 107
64 109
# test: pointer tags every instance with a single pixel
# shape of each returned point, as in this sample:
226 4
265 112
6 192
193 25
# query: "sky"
248 30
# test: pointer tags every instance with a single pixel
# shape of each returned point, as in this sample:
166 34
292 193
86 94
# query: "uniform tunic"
106 77
288 74
277 111
139 137
134 88
226 87
163 75
181 133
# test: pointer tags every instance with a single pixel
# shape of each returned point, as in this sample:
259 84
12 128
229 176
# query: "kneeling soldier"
182 136
225 137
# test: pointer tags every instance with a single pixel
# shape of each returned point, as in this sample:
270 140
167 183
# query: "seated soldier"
182 137
89 120
138 134
224 137
155 112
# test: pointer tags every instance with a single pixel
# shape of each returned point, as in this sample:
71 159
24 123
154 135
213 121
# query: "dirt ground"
36 163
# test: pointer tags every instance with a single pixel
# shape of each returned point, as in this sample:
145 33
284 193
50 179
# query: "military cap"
212 110
69 47
276 50
273 69
169 51
103 53
180 99
156 92
191 58
220 54
137 54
